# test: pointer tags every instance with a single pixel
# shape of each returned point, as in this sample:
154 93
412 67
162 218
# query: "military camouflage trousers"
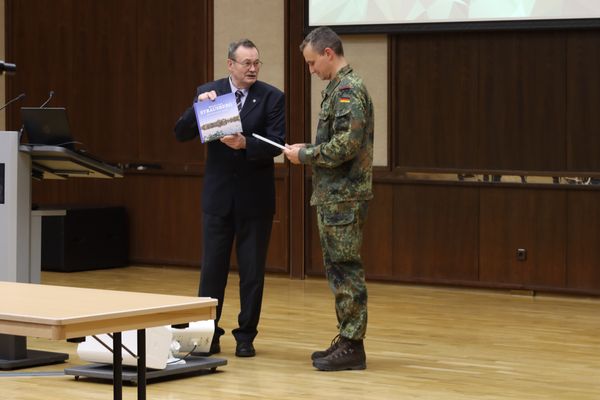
340 229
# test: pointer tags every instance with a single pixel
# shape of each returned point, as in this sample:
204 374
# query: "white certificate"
264 139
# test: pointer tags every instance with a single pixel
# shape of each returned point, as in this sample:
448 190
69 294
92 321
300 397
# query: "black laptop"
47 126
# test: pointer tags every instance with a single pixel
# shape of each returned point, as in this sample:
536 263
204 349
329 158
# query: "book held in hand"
217 118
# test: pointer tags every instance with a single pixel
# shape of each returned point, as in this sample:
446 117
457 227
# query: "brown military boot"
349 354
320 354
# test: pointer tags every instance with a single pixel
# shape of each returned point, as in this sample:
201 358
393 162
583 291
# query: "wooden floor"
422 343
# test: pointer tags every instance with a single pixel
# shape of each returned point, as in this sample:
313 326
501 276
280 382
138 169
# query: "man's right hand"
207 96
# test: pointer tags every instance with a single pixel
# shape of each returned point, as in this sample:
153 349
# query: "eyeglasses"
248 64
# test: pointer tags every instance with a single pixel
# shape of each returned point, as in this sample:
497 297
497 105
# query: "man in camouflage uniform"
342 163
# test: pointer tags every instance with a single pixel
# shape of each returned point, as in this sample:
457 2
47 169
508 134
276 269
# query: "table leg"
117 367
141 364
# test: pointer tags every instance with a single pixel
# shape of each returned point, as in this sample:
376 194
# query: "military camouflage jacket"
342 157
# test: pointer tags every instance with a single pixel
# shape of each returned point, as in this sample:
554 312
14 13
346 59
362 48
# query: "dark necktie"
238 99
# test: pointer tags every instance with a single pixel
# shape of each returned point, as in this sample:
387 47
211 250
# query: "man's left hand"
291 152
236 141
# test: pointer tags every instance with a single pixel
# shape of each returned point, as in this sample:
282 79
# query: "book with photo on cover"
217 118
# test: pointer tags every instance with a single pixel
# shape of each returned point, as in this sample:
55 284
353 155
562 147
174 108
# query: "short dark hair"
233 46
321 38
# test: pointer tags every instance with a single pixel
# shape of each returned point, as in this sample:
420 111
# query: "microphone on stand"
42 106
48 99
7 67
19 97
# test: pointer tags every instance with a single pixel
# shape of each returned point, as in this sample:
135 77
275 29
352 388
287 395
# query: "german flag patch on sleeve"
344 99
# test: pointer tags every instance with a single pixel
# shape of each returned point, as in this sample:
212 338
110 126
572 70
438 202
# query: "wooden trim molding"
298 104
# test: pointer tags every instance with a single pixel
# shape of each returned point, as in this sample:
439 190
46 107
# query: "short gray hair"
321 38
233 46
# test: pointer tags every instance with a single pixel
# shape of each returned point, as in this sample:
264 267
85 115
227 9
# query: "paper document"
264 139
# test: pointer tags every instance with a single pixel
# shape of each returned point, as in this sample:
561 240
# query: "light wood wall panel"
266 29
261 21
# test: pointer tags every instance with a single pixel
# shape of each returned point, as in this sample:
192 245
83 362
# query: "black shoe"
320 354
215 347
245 349
349 354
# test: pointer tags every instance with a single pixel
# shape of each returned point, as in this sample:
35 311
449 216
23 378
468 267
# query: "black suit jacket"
241 180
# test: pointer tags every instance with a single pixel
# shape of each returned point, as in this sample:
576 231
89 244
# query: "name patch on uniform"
344 99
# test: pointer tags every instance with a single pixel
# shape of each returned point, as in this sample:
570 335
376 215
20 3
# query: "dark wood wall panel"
277 255
85 52
435 233
44 55
411 234
279 245
377 237
167 38
506 101
522 101
124 69
298 131
378 234
583 98
434 100
583 255
469 235
164 212
103 78
531 219
166 217
479 100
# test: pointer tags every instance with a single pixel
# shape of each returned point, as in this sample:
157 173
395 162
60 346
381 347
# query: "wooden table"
59 312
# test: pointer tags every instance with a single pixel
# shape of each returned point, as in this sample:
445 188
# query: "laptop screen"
1 183
47 126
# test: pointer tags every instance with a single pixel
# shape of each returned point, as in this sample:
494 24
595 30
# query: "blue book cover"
217 118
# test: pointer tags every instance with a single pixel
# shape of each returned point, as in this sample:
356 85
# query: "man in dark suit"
238 198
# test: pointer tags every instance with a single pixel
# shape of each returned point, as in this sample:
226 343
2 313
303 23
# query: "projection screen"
363 16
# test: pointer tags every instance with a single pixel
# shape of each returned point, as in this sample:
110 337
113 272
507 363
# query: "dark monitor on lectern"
1 183
47 126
